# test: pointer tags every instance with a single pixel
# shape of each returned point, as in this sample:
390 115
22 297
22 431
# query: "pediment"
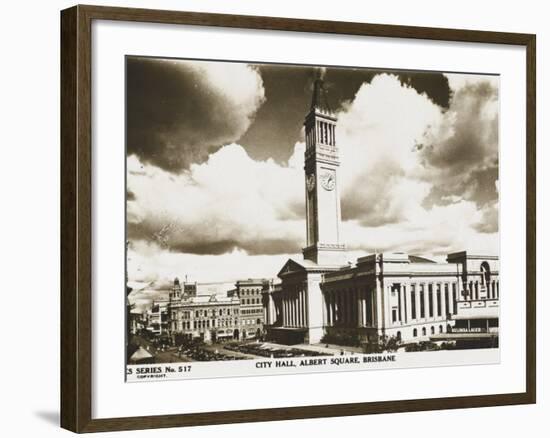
290 267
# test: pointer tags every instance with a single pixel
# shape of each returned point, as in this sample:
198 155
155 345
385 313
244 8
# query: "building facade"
157 318
380 295
249 293
476 320
238 315
208 318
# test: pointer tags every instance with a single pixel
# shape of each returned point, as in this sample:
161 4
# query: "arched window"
398 336
432 330
423 331
440 329
415 333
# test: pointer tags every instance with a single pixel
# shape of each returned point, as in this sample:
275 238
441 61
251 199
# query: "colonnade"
473 288
426 300
353 307
324 133
293 307
406 302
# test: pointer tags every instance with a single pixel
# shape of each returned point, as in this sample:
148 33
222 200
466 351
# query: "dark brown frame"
76 237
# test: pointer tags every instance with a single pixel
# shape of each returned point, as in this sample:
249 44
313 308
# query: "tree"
383 344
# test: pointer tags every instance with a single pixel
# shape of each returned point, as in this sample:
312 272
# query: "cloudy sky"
215 183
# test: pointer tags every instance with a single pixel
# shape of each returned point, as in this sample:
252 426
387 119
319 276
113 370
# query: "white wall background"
29 177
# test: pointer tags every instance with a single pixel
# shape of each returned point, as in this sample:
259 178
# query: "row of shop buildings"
235 315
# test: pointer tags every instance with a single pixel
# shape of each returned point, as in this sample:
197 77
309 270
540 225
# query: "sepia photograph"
289 218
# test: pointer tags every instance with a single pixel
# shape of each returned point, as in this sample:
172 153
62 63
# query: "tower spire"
319 100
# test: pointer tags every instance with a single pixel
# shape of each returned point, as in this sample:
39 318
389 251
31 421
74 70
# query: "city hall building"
380 295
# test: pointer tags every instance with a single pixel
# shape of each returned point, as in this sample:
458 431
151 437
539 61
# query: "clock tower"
323 214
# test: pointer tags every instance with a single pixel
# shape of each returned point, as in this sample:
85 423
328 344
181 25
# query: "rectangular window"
438 289
394 315
431 300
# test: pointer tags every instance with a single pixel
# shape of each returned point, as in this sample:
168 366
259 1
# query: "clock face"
328 181
310 182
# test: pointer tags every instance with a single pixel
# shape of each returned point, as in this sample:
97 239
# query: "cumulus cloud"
401 153
377 133
460 152
178 112
152 263
228 202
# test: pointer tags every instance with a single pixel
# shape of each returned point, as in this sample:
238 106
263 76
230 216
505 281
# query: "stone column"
387 309
283 309
329 309
293 308
354 307
368 308
335 309
287 308
298 310
379 300
345 308
344 296
408 302
351 296
444 298
364 297
403 292
296 313
359 304
301 307
426 301
318 132
373 307
273 310
304 298
298 307
327 306
302 310
342 305
336 319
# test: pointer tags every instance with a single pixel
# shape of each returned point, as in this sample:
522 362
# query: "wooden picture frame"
76 218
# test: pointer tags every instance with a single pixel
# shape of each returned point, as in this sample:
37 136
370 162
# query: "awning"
140 354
